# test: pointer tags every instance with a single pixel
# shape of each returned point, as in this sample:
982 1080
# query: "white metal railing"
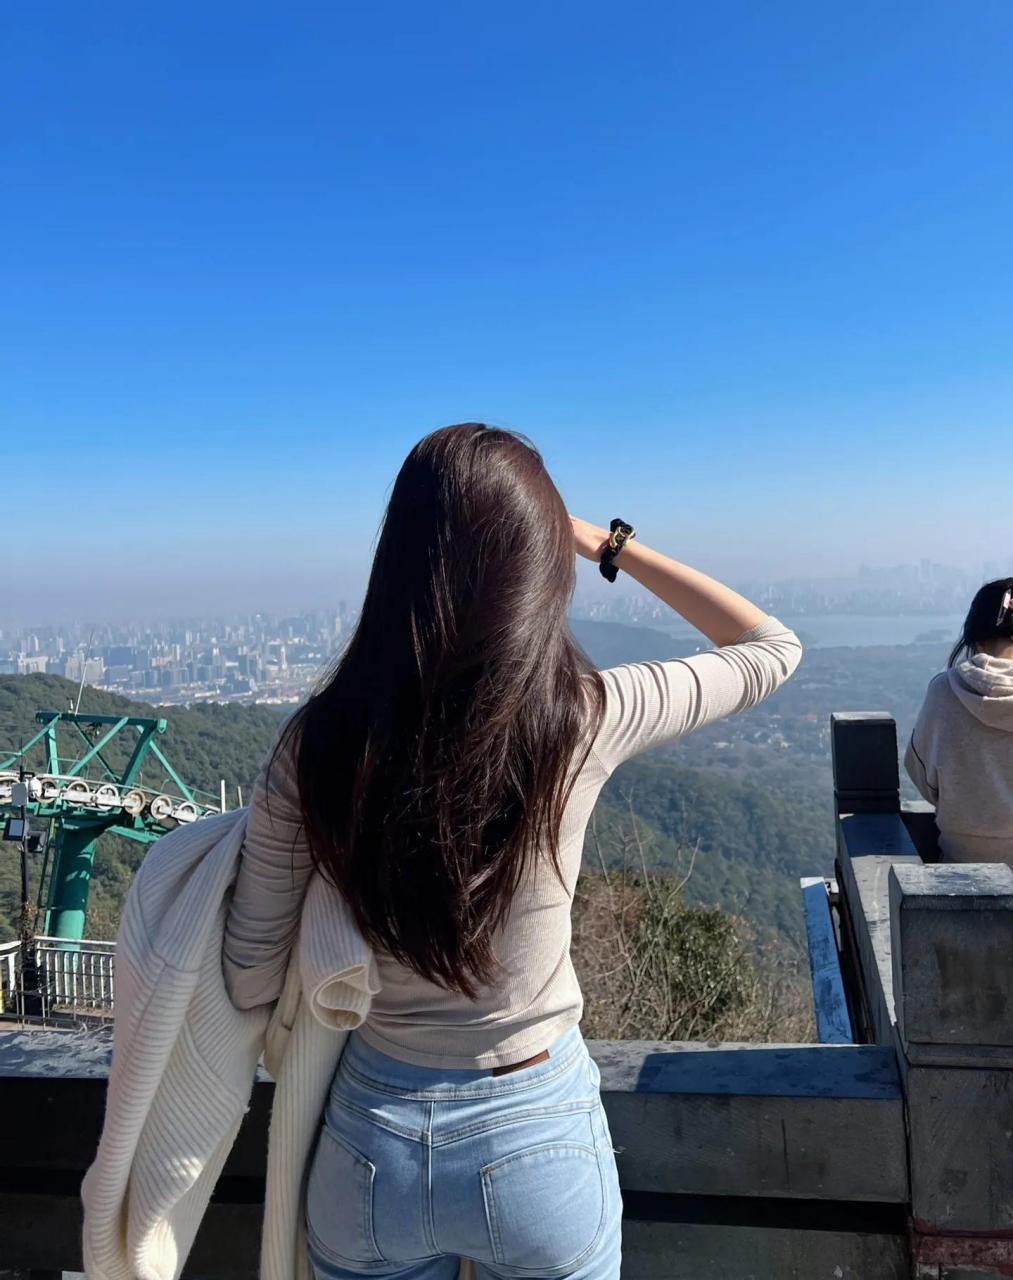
9 956
75 976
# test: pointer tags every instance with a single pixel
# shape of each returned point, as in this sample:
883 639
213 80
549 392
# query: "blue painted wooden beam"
833 1020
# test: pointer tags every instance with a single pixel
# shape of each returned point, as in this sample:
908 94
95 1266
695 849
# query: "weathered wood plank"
833 1021
952 929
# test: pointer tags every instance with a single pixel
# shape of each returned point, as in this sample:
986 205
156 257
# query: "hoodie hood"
985 686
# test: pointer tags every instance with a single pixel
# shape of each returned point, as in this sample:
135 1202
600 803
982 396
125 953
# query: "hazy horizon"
744 276
291 600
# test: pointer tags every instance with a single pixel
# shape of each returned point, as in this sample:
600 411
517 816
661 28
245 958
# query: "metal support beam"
187 793
137 722
96 750
110 771
71 881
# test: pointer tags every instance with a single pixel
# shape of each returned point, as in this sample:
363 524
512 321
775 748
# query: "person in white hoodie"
960 756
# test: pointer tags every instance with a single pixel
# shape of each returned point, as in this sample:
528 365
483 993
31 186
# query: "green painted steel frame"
75 836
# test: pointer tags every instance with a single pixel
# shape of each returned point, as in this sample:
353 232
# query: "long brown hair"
435 761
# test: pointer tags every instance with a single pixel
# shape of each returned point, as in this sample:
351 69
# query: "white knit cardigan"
184 1060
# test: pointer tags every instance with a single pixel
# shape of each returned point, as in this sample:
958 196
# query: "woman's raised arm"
716 610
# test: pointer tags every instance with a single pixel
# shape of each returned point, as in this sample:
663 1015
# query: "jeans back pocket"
545 1207
339 1202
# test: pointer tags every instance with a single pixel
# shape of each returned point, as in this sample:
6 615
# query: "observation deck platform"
883 1152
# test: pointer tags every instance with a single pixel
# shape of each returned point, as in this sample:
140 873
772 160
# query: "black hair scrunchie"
619 534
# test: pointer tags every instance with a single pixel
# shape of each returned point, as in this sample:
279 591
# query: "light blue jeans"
419 1166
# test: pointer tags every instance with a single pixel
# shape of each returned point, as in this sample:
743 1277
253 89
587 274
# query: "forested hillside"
205 743
747 843
752 839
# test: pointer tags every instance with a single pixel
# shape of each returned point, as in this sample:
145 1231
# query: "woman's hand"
589 539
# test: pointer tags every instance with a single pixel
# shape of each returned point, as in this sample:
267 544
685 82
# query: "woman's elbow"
249 985
248 989
795 652
790 655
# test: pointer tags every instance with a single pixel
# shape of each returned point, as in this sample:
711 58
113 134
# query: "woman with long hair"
441 777
960 755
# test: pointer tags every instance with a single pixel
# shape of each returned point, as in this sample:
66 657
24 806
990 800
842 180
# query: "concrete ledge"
727 1251
868 845
962 1176
737 1120
952 930
750 1120
863 747
685 1240
43 1231
929 950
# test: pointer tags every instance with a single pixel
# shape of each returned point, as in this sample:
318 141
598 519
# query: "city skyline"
275 659
742 274
913 588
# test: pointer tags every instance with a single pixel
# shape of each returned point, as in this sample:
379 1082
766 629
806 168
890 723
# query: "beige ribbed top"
537 997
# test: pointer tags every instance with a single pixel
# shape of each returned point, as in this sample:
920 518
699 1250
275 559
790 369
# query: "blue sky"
742 271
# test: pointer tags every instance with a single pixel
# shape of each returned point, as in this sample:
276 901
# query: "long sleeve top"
536 996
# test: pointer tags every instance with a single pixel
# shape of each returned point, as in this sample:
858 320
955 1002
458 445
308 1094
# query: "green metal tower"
82 796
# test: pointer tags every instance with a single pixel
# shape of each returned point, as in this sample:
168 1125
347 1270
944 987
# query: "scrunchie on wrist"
619 534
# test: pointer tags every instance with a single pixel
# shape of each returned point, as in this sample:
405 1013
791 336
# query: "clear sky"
742 270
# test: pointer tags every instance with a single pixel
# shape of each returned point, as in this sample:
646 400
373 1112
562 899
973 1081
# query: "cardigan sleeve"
651 703
274 870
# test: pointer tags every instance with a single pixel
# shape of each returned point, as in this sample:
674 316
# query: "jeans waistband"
371 1067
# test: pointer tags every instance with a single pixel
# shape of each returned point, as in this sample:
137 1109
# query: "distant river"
856 631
